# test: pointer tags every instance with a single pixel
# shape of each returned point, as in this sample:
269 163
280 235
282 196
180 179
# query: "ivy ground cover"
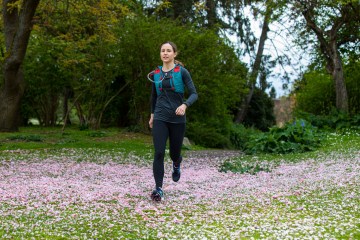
100 194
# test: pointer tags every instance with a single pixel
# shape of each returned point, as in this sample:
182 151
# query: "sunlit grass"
39 138
87 145
44 141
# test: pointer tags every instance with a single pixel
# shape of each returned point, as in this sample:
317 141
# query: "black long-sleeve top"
163 106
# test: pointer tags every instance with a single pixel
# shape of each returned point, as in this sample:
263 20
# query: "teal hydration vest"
176 81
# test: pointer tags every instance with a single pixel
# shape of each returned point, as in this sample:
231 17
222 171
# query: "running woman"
168 107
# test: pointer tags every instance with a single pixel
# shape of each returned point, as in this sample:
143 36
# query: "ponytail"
180 63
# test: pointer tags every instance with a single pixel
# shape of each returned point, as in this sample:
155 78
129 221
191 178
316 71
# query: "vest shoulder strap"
176 81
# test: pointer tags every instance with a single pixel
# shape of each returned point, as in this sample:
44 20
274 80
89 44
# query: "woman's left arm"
193 96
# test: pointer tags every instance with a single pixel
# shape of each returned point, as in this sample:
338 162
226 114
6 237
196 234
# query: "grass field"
96 185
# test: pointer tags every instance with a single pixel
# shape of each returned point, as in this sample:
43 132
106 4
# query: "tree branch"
308 15
18 26
339 22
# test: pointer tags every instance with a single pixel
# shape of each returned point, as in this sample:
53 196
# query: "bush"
299 136
27 138
240 136
207 135
315 93
336 120
261 111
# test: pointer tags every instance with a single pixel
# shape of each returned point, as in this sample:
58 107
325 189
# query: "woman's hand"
181 110
151 120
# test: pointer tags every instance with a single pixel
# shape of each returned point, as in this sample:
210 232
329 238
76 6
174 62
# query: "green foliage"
71 47
220 81
260 113
83 127
335 120
315 93
27 138
345 143
208 134
251 167
104 65
45 80
217 73
352 76
299 136
325 15
240 136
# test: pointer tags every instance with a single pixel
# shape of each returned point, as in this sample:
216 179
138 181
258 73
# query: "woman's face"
167 53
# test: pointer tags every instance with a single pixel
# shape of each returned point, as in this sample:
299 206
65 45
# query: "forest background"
86 62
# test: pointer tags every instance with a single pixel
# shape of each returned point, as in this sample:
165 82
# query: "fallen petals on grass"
51 196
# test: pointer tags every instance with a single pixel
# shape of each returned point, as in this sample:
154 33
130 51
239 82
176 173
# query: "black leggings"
161 132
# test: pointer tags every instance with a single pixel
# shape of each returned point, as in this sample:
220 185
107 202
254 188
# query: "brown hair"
174 47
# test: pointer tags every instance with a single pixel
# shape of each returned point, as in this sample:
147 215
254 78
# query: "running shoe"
157 195
176 173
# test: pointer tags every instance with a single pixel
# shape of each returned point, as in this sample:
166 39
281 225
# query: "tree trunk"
329 49
107 103
17 29
54 104
337 73
68 93
255 69
211 16
80 113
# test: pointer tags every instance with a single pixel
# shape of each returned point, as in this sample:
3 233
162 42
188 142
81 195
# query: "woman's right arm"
151 121
153 104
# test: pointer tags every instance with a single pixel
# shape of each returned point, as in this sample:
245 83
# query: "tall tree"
182 10
17 16
335 24
211 16
254 72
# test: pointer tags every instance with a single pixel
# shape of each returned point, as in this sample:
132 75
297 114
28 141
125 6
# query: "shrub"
205 134
249 167
27 138
299 136
315 93
240 136
336 120
261 111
